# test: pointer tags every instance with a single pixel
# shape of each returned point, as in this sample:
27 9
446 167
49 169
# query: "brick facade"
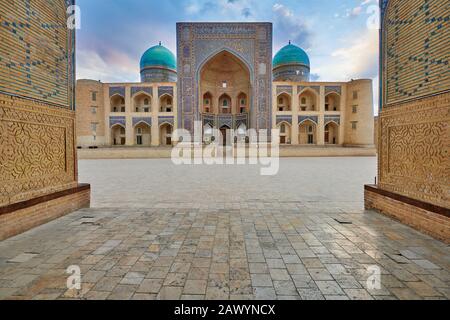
434 224
29 214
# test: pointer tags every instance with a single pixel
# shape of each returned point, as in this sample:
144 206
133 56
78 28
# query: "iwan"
185 310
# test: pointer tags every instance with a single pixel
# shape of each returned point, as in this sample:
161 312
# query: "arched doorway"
285 133
225 134
307 132
118 136
224 76
165 134
331 133
142 134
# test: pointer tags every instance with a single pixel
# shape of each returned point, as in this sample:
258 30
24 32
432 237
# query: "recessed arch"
166 103
332 101
117 103
308 100
208 102
285 132
225 103
142 102
331 132
142 133
307 132
165 133
118 134
284 102
222 78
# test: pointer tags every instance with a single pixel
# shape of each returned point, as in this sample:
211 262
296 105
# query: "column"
321 121
155 120
129 132
295 110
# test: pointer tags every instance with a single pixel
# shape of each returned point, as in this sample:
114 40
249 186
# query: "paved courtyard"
163 232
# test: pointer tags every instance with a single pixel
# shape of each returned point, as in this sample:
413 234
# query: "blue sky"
115 33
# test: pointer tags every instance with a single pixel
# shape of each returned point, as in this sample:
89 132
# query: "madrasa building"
225 76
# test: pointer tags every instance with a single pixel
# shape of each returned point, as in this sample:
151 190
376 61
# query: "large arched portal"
222 78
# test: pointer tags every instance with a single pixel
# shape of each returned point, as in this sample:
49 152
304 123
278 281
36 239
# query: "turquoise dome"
291 54
158 56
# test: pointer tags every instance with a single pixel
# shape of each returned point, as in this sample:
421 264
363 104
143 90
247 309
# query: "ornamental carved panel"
414 149
37 154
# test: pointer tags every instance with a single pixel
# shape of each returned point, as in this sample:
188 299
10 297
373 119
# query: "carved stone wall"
414 150
37 154
250 42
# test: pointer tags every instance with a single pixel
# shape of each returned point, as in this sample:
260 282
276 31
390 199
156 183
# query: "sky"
338 35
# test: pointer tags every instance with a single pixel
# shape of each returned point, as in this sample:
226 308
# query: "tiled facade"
415 113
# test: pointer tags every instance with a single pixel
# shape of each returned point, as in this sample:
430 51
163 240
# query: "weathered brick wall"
22 220
433 224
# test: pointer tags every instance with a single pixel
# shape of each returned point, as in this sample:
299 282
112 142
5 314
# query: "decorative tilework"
37 60
225 120
147 120
315 88
209 119
314 119
165 90
135 90
117 90
287 119
415 49
166 119
336 89
336 119
287 89
117 120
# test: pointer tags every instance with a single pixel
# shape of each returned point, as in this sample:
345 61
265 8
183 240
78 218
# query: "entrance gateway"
225 75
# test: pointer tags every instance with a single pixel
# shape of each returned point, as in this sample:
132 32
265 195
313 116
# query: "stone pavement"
159 231
251 250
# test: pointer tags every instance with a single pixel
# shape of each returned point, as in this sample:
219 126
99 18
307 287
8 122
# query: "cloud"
232 10
116 67
357 58
292 26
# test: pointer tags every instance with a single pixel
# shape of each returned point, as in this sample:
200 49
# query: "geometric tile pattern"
336 89
165 90
37 56
314 119
117 90
166 119
117 120
147 121
135 90
416 63
335 119
287 119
